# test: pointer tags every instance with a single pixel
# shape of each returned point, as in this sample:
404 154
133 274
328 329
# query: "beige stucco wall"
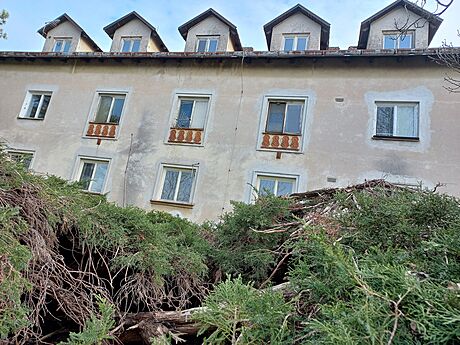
387 23
84 46
337 138
134 28
298 24
210 26
64 30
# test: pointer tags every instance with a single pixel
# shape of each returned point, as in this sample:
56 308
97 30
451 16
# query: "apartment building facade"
186 132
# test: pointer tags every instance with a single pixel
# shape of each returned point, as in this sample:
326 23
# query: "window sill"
30 118
172 203
395 138
100 138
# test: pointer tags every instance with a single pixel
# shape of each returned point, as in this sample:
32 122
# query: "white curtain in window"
407 124
199 114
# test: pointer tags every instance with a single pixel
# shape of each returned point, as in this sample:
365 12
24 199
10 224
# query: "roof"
61 19
184 28
325 26
428 54
433 20
112 27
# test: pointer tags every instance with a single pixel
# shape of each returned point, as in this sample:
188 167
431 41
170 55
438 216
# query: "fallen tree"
371 263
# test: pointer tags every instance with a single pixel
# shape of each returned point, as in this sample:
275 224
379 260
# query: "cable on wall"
232 151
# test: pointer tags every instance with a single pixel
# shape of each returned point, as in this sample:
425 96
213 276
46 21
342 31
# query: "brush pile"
369 264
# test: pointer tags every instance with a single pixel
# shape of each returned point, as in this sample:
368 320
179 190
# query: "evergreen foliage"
367 265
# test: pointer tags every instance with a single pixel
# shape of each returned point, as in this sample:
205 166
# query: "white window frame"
208 40
25 106
258 174
63 39
194 99
96 160
264 118
132 39
398 38
23 152
164 167
114 96
395 105
284 117
174 113
296 37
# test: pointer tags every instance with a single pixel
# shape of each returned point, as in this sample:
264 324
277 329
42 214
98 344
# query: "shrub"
238 313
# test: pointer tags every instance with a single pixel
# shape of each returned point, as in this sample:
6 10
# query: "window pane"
288 44
58 46
293 119
99 177
302 43
212 46
389 42
103 110
22 158
185 114
45 103
185 186
199 114
406 121
136 45
201 46
384 121
169 185
33 106
405 41
275 117
126 46
266 186
86 174
116 110
67 46
284 187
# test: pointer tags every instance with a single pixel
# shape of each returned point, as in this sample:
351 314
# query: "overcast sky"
345 16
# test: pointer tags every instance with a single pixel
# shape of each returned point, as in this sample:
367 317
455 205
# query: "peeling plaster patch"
396 179
421 95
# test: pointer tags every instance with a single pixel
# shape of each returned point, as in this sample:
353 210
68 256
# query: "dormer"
297 29
133 34
210 32
401 25
65 36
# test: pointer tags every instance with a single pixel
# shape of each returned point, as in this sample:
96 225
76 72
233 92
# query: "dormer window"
295 42
207 44
398 40
130 44
62 45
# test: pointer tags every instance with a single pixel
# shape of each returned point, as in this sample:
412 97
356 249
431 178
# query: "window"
178 184
192 113
109 108
397 120
92 175
130 44
398 40
295 42
62 45
275 185
207 44
36 105
284 117
21 157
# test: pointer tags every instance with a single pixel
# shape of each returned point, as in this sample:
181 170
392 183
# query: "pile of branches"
370 263
76 249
